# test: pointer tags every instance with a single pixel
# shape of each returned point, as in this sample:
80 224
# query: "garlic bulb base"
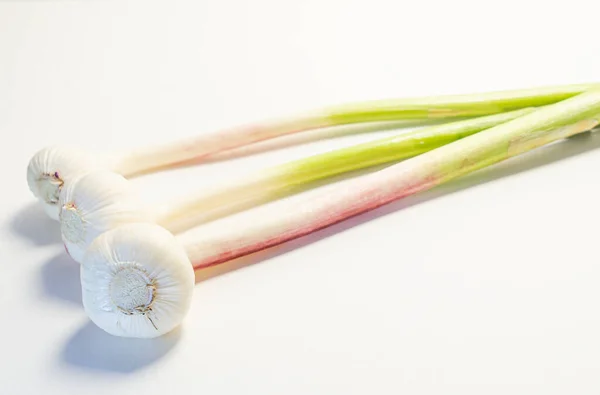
132 290
137 281
72 224
53 167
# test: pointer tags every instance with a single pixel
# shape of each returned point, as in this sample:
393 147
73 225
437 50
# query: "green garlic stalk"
278 181
543 126
101 201
137 279
52 168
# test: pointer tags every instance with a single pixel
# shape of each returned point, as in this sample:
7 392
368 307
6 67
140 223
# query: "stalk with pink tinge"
53 167
137 279
554 122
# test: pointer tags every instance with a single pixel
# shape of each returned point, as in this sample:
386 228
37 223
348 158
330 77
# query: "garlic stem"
272 183
52 168
137 278
420 108
558 121
103 200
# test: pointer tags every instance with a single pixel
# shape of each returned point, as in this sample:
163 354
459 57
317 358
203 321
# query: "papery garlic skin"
91 205
51 168
137 281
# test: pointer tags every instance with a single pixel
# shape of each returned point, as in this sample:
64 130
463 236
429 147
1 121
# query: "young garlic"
96 202
102 200
136 281
223 242
52 168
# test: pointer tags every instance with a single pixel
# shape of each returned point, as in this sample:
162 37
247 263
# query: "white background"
486 285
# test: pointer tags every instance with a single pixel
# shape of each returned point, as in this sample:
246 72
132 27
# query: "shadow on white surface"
573 146
60 279
32 223
92 348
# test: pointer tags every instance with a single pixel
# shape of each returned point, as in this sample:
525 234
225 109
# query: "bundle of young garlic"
137 277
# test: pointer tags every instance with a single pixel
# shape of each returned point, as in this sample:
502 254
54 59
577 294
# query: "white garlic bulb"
137 281
53 167
94 203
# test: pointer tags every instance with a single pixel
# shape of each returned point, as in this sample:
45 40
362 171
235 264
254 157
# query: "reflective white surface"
485 285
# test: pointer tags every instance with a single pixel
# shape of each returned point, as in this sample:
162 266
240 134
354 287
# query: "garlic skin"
137 281
51 168
93 204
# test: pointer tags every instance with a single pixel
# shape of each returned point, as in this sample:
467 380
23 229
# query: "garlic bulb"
137 281
53 167
94 203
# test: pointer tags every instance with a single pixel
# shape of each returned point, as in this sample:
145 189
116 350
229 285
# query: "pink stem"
199 147
359 196
420 173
